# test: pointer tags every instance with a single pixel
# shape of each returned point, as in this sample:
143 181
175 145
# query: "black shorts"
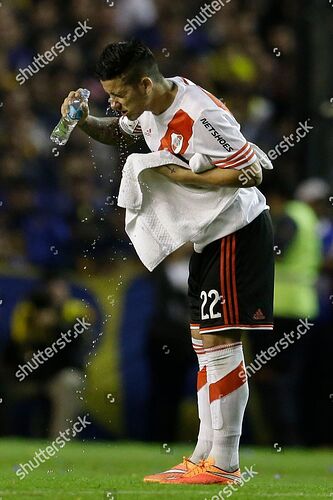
231 283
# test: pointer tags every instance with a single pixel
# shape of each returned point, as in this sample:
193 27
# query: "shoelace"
186 463
199 469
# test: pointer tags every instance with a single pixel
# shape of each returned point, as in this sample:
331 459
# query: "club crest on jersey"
176 142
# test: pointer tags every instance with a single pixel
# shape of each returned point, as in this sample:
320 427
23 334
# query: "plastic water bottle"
66 125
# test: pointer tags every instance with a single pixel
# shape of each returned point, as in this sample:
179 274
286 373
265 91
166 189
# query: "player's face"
128 100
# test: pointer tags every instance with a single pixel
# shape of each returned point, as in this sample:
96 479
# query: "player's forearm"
247 177
105 130
216 177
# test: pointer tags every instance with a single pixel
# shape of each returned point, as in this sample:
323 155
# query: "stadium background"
62 232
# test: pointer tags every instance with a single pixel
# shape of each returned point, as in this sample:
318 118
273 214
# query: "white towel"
133 184
161 215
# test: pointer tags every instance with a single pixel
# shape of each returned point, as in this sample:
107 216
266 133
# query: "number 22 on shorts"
209 302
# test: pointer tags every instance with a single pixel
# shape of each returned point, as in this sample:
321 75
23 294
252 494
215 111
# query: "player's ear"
147 85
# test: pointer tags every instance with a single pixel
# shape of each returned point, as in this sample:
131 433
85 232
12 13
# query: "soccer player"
232 267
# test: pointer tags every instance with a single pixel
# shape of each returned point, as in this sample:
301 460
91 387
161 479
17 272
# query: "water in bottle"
66 125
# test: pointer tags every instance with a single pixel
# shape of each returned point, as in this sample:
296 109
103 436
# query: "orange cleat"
207 473
175 472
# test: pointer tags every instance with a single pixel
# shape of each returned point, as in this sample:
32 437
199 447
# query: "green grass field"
115 471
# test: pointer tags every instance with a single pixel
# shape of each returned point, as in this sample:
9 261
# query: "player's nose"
115 104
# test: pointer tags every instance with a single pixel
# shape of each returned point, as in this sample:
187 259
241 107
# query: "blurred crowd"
58 205
43 360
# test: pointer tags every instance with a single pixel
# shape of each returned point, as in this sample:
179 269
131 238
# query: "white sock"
205 436
228 395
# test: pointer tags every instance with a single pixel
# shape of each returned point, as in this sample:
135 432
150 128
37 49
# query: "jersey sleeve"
217 135
132 128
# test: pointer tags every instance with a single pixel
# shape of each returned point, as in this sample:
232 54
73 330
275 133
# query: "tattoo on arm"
171 169
105 130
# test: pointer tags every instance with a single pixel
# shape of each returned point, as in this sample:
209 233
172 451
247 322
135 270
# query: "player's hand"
75 94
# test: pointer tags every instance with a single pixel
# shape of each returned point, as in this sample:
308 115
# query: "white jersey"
198 122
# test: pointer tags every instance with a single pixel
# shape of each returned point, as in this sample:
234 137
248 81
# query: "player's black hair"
130 59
